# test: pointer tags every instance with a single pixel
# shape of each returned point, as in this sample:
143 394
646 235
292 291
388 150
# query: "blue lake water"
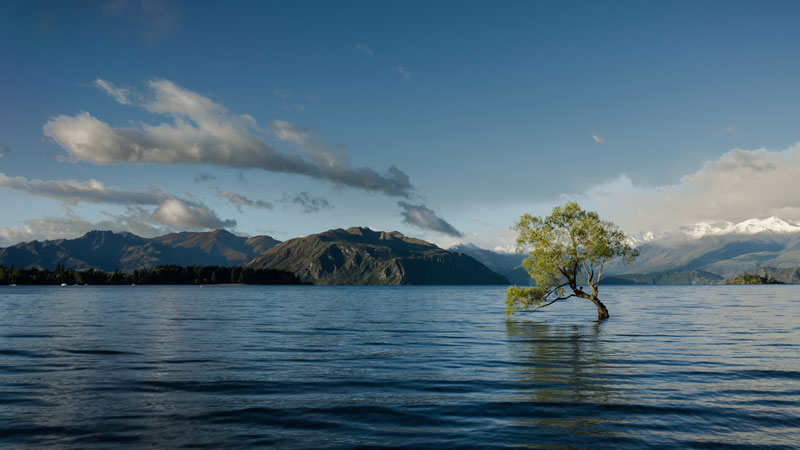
343 367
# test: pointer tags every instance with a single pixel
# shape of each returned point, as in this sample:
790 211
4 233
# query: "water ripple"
366 367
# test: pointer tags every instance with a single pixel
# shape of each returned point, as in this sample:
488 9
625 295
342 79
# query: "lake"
343 367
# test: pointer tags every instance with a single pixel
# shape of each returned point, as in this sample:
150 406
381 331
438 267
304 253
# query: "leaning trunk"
602 311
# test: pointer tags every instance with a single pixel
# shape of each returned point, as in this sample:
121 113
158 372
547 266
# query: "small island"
749 278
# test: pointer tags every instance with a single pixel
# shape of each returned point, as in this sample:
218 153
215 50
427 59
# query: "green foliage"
748 278
169 274
562 246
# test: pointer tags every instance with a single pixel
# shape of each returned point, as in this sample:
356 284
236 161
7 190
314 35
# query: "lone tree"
568 243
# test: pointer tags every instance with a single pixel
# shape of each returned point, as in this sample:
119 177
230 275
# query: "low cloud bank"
739 185
172 211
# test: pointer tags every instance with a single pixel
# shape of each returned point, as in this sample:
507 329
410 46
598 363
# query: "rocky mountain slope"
361 256
109 251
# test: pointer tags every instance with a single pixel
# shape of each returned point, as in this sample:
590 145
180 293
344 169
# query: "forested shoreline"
167 274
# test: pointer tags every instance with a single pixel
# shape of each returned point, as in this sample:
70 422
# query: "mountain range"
362 256
109 251
706 253
353 256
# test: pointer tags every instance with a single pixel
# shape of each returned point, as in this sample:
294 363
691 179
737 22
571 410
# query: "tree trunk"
602 311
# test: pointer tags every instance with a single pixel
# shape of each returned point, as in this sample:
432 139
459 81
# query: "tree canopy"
567 245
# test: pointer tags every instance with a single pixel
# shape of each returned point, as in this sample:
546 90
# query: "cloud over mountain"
422 217
204 132
182 215
739 185
171 211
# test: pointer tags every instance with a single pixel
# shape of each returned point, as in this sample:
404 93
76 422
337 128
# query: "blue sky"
655 114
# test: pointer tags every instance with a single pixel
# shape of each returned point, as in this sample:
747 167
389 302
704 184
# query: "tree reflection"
563 368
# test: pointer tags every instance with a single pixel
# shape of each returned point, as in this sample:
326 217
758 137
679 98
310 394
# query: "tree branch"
554 289
550 303
589 273
600 272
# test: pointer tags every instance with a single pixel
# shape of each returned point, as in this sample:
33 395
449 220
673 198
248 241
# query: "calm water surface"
341 367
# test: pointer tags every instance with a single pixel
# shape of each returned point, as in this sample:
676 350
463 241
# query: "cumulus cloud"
4 150
172 211
422 217
239 200
306 201
205 132
182 214
121 95
740 185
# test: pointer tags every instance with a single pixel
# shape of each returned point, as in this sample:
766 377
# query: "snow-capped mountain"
772 224
751 226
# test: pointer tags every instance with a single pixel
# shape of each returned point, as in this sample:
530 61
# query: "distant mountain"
108 251
726 255
361 256
668 277
771 225
507 264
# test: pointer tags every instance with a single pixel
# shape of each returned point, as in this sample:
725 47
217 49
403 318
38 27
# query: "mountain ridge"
360 255
109 251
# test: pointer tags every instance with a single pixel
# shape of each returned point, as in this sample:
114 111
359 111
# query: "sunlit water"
248 366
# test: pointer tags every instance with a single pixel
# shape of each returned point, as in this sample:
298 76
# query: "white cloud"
121 95
310 143
73 191
135 220
597 138
205 132
739 185
172 211
45 228
422 217
181 214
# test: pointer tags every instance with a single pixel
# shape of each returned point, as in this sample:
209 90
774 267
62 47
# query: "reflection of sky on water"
562 363
284 366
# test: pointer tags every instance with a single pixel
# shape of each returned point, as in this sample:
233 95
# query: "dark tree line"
169 274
